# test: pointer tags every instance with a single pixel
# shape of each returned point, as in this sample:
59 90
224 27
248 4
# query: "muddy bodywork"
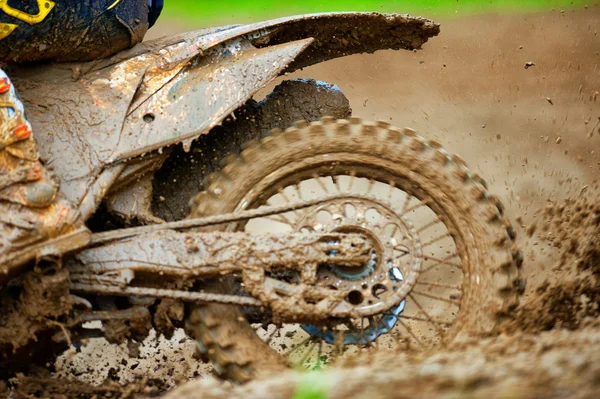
97 121
213 254
184 172
88 116
332 35
127 263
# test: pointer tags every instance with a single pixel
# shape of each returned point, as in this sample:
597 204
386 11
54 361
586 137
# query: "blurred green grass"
240 11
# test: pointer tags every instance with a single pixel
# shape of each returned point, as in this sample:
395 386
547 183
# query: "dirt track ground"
534 133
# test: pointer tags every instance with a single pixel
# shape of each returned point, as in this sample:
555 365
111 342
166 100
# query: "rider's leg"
30 209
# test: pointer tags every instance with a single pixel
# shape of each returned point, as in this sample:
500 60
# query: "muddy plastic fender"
234 63
88 116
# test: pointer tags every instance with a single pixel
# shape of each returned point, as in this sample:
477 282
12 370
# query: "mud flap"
231 64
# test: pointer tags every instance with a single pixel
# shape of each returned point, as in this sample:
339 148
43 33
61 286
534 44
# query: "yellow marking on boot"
113 5
44 8
6 29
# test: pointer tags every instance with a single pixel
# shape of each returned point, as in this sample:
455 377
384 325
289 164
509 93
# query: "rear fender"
201 96
91 115
202 77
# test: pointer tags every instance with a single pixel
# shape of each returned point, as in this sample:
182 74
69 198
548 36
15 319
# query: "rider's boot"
31 209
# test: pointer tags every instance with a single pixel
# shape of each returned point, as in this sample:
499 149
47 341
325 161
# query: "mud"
570 297
550 349
533 132
549 365
183 174
45 386
30 319
170 361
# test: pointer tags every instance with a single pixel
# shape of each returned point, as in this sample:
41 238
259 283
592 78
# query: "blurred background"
210 13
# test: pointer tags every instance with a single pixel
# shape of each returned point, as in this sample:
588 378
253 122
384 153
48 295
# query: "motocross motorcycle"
302 246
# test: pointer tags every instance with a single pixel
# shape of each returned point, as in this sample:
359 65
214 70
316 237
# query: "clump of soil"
570 297
546 365
29 317
51 388
168 360
577 227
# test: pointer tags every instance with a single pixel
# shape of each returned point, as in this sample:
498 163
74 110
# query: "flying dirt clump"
572 298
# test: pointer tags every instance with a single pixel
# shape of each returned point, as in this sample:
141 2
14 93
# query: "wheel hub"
356 273
379 284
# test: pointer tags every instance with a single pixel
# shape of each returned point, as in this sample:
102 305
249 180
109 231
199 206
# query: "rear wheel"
444 262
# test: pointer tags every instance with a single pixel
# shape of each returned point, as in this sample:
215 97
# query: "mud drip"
444 260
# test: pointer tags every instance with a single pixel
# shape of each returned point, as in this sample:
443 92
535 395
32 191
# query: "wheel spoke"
295 347
440 262
379 322
319 354
424 319
448 300
401 248
284 196
437 326
362 328
394 231
339 342
370 187
428 225
415 207
298 191
412 334
407 201
336 182
280 219
436 239
373 325
439 285
273 334
351 183
308 352
323 186
392 185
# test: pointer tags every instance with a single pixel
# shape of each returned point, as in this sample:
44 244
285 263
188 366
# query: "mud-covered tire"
491 262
